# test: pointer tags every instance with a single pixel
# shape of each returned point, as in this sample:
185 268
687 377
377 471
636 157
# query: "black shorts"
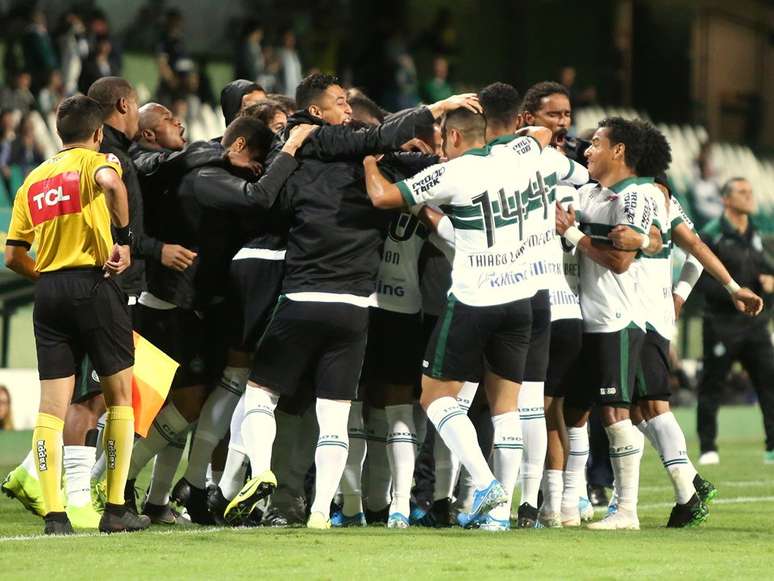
653 372
80 312
464 335
563 356
395 348
607 368
540 337
194 339
255 286
327 340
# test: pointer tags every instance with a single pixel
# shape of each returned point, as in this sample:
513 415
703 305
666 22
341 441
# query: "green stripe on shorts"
443 336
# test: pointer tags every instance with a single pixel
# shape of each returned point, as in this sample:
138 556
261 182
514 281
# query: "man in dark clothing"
320 323
239 95
728 335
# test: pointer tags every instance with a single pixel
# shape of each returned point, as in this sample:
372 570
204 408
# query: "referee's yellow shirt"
61 207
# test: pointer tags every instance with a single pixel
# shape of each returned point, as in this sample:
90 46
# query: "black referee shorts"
653 372
326 340
80 312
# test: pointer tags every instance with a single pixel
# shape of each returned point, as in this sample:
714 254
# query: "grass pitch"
736 542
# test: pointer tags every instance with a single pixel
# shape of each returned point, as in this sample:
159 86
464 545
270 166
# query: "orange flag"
153 374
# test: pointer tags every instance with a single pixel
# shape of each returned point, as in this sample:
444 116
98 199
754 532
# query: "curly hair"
656 151
620 130
500 102
537 92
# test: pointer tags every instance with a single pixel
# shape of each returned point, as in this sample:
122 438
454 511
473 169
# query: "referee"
729 335
66 207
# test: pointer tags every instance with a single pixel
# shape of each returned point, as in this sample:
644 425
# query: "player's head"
462 130
738 196
118 100
656 152
500 102
160 128
270 112
79 120
615 147
364 109
324 97
288 104
239 95
547 104
248 138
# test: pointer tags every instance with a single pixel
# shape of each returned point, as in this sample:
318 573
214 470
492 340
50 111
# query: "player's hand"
244 162
417 145
297 136
747 302
678 302
467 100
176 257
564 219
120 259
767 282
372 159
625 238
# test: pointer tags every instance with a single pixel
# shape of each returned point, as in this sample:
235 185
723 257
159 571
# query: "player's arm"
383 193
17 259
600 252
21 235
744 299
118 205
624 237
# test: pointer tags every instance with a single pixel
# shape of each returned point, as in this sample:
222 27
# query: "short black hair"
656 151
359 100
256 134
537 92
107 91
471 125
620 130
500 102
263 110
729 184
312 87
77 118
288 104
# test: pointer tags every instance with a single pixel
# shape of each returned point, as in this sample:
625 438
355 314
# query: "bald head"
159 129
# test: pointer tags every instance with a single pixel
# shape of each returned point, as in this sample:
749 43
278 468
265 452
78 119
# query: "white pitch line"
736 500
720 485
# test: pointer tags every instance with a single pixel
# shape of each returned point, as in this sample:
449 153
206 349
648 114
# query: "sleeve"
689 276
677 214
443 238
103 160
567 171
635 210
340 142
216 188
166 165
21 232
432 184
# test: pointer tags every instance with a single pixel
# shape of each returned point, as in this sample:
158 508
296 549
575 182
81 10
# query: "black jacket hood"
231 97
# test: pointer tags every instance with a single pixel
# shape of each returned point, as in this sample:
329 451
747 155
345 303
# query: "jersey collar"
618 187
487 149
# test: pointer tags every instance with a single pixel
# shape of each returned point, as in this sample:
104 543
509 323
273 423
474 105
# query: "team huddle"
336 281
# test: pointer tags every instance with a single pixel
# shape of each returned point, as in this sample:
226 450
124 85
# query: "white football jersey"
397 287
563 266
489 200
609 301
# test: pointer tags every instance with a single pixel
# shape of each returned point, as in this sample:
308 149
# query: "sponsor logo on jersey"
607 391
112 158
55 196
427 182
392 290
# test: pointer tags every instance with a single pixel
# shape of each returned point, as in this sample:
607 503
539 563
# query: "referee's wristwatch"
124 236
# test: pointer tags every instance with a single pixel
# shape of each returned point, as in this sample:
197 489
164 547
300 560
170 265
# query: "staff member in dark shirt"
730 336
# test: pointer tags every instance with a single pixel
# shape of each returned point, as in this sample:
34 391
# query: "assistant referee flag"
153 374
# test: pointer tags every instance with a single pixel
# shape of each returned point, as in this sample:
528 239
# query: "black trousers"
728 339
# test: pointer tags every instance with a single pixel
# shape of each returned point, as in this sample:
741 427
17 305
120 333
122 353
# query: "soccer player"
613 320
488 314
66 206
320 322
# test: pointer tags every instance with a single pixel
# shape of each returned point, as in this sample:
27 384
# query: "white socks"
259 427
575 470
98 470
402 454
78 462
625 458
466 395
352 479
332 451
29 465
164 470
507 450
213 422
553 485
233 477
674 454
447 469
379 481
167 426
457 431
533 426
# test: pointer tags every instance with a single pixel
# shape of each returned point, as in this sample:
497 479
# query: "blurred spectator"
39 54
99 29
18 96
707 203
7 137
98 64
404 92
172 55
144 32
250 62
438 88
25 151
73 49
578 98
206 92
52 94
290 64
6 417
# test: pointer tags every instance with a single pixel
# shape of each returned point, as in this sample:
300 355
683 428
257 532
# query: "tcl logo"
55 196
